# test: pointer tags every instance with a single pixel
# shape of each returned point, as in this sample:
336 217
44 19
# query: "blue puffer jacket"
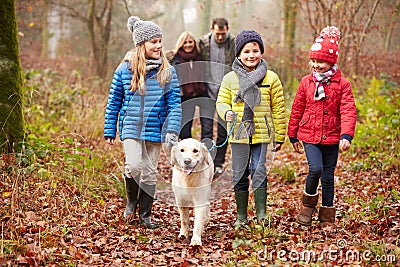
145 117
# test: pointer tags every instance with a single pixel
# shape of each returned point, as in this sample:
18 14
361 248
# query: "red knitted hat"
325 47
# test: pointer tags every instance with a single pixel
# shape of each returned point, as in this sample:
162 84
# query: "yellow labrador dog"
192 175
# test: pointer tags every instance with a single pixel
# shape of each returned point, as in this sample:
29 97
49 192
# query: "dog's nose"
187 161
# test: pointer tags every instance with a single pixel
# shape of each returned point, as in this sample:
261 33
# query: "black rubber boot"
132 192
146 198
242 199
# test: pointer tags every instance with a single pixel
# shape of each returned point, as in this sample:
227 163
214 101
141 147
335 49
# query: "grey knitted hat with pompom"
143 31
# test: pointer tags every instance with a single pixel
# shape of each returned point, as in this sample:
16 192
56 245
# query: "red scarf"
191 73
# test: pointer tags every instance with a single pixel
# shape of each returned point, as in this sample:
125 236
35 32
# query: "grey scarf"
151 64
249 93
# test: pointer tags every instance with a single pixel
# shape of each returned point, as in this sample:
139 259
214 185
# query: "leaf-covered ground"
75 219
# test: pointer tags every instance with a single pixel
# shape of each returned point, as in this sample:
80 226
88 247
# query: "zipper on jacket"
269 127
141 115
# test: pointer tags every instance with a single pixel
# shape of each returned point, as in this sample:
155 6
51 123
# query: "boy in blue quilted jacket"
144 101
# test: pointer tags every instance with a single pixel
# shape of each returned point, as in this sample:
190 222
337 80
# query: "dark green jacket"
204 44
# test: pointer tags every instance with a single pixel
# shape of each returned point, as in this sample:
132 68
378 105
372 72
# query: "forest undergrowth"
62 197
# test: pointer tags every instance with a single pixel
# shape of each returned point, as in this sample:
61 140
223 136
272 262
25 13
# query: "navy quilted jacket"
145 117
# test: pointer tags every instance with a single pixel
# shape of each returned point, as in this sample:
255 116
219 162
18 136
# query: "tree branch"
126 7
366 25
72 12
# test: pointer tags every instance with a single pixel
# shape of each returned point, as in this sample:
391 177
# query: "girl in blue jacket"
144 100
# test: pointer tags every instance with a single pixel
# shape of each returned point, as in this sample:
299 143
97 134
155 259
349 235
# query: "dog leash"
230 132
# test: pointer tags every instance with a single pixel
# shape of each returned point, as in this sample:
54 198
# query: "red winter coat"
323 121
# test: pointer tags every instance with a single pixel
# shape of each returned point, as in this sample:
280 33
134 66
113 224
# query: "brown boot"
308 208
326 218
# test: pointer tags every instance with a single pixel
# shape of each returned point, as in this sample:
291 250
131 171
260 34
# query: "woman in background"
187 61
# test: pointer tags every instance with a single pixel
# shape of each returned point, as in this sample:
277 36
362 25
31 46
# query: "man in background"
217 48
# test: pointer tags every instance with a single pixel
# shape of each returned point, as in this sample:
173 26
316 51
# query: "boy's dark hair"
221 22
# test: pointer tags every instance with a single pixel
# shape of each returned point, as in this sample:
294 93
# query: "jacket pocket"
304 120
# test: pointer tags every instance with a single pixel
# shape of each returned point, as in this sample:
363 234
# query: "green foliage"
379 252
287 172
55 161
55 110
396 194
376 204
377 133
251 239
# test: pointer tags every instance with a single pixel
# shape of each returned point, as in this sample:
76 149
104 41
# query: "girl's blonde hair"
138 67
181 41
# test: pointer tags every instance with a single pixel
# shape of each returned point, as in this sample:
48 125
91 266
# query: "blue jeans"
322 160
249 159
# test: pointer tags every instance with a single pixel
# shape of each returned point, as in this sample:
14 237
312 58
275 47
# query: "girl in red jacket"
323 117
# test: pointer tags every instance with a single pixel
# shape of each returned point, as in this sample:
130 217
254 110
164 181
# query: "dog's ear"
206 156
173 152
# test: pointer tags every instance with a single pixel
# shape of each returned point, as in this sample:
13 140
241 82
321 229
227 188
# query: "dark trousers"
207 114
208 124
322 160
188 110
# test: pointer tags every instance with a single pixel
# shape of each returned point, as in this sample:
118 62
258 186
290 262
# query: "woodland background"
62 195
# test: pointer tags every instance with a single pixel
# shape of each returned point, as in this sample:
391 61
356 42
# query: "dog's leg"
185 220
200 218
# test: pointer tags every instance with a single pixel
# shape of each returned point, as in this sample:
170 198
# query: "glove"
171 139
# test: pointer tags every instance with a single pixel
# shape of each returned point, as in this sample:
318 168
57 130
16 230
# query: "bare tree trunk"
98 21
290 15
99 25
363 34
205 6
45 29
11 119
391 25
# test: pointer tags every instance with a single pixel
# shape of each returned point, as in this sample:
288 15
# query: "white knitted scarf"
320 79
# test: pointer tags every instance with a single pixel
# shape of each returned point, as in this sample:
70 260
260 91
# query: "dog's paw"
182 237
196 241
184 233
